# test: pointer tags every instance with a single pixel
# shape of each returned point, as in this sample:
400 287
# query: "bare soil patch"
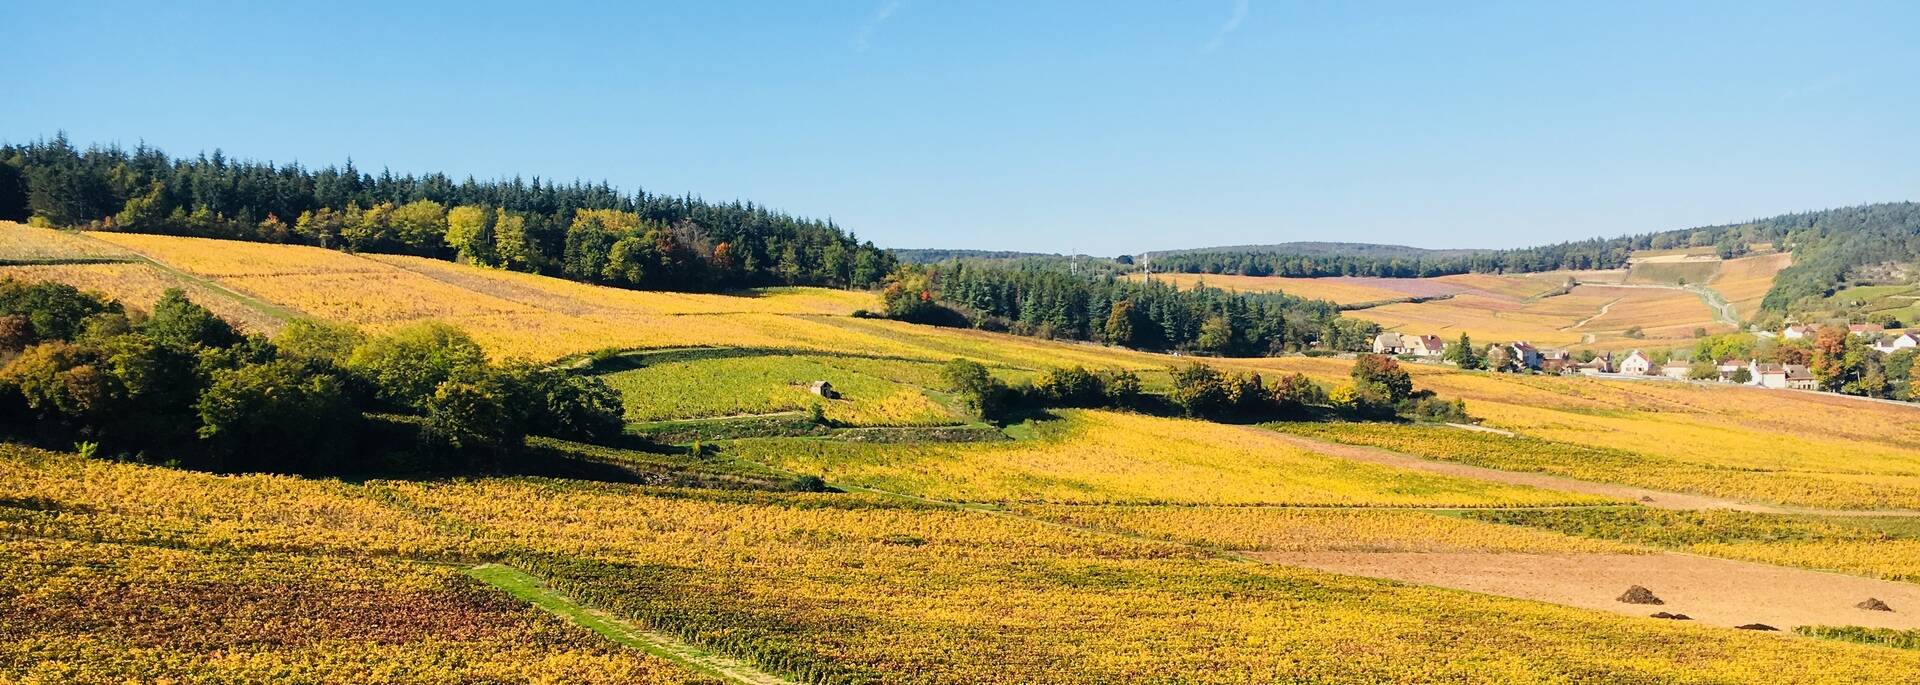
1712 591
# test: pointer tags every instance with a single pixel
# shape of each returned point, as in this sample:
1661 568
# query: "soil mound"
1640 595
1672 617
1757 626
1873 605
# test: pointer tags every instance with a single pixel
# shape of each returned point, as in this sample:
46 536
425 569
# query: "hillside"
941 530
1876 244
1311 248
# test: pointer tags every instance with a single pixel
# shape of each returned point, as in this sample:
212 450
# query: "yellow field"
138 285
1336 290
1745 281
1594 316
20 242
1293 529
966 596
1745 443
1107 457
1487 320
1660 313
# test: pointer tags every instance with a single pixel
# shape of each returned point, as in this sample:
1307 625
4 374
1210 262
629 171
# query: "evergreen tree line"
1041 299
79 371
581 231
1826 245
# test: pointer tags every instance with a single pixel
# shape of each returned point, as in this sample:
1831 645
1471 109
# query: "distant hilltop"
1314 248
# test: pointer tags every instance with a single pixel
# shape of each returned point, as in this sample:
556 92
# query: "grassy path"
526 587
264 307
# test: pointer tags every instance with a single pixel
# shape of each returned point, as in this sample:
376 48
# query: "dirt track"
1712 591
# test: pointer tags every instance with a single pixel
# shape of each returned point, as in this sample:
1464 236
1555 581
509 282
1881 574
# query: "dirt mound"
1873 605
1672 617
1640 595
1757 626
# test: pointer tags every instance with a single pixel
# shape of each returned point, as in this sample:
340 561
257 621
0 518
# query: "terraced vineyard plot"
138 285
1303 529
873 392
1105 457
1549 321
1339 290
1788 484
1657 312
1745 281
1876 547
846 588
23 243
49 494
77 612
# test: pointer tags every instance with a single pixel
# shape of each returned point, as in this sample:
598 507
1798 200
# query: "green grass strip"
529 588
1885 637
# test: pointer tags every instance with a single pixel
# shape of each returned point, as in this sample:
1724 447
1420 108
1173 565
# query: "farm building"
1676 370
1795 376
1390 343
1526 355
1599 365
1636 364
1896 343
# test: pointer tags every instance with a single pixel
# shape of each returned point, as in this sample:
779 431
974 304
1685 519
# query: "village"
1523 357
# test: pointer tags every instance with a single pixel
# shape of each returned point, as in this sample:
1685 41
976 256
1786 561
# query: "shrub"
404 368
276 417
1069 387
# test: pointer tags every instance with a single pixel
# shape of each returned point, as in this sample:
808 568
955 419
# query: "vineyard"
889 534
828 588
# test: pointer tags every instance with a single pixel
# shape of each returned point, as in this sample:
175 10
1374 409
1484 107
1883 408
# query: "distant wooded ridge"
1828 245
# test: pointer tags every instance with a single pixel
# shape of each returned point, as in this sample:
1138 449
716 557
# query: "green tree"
1069 387
404 367
511 249
313 340
49 311
1119 329
1463 355
983 394
277 417
179 321
478 410
1216 336
1379 380
1199 390
470 232
421 225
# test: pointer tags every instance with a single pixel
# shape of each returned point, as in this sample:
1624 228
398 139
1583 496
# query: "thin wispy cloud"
1240 8
864 38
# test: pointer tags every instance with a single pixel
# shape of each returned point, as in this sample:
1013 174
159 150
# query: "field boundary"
527 587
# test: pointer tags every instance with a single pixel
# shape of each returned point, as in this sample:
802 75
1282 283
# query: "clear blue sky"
1099 127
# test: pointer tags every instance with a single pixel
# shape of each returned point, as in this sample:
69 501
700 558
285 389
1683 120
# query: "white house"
1797 331
1896 343
1526 355
1636 364
1426 345
1389 343
1676 370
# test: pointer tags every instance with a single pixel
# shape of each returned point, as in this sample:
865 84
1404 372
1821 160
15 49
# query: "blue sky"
1098 127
